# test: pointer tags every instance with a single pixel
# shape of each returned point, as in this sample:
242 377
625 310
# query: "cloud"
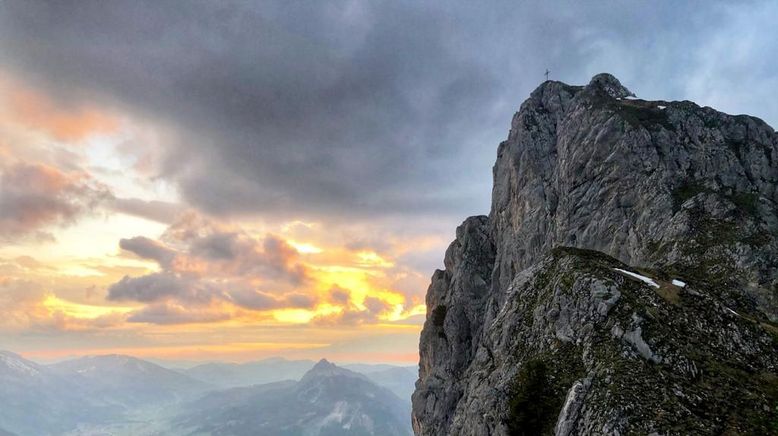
357 108
63 322
30 263
167 313
20 303
148 249
24 308
220 246
36 196
59 120
280 259
351 314
208 266
204 262
364 109
339 295
368 91
300 300
158 286
221 249
160 211
258 300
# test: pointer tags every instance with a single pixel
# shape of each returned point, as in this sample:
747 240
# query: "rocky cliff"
624 282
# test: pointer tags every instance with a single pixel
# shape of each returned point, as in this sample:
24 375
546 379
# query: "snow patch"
678 283
662 107
731 311
92 368
643 279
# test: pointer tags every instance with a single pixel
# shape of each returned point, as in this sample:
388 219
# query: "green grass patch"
669 292
686 190
644 115
534 403
539 390
747 203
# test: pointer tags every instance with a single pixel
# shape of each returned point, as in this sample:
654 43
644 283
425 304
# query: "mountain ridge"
328 400
227 375
125 395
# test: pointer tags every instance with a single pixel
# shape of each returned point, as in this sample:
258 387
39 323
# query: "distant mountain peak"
325 368
327 400
324 364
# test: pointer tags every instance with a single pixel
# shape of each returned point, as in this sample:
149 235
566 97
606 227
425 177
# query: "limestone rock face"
522 333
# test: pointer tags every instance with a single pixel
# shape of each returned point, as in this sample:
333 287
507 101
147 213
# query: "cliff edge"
624 282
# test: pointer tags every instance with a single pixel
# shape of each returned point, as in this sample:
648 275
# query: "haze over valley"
123 395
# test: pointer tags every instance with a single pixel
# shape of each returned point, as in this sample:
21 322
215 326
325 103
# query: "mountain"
127 381
228 375
123 395
328 400
36 400
14 366
401 380
624 282
366 368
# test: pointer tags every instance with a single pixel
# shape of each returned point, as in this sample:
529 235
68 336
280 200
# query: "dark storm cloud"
357 108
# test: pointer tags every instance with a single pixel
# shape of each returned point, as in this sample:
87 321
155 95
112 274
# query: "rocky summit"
625 281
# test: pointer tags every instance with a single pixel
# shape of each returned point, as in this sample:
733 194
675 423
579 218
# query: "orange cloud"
205 264
33 196
63 122
25 305
205 279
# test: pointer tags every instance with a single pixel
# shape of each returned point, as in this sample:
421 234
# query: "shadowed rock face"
677 190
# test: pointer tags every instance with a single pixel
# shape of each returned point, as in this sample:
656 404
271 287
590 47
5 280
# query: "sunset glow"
113 260
81 311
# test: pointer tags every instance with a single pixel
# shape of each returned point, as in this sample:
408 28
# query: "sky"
235 180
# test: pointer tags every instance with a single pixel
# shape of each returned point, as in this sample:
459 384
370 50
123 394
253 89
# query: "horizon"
185 364
174 188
